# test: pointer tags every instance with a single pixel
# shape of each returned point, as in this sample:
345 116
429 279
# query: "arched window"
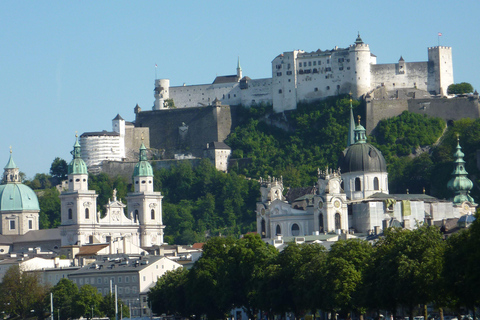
295 230
320 222
358 185
338 223
87 213
279 230
263 233
376 184
70 214
153 214
135 216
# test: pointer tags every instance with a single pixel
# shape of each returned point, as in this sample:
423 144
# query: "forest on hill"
201 202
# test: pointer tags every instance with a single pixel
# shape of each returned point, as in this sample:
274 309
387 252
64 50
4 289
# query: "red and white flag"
439 34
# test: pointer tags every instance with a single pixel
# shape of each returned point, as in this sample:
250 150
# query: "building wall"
96 149
412 75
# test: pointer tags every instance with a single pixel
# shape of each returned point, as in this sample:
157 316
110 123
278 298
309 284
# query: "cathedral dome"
17 197
362 157
77 165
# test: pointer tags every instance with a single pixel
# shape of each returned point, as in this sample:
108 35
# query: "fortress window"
289 73
338 87
304 64
348 68
357 58
328 87
280 91
319 63
314 63
279 74
288 66
316 89
300 65
229 96
309 63
341 68
70 213
152 214
289 80
12 224
328 61
87 214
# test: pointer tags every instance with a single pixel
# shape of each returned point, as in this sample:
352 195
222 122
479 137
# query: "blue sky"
68 66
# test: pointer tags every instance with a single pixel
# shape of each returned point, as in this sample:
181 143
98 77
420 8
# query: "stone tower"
440 69
144 204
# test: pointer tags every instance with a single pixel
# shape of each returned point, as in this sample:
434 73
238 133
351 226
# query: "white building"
307 76
355 199
120 144
133 276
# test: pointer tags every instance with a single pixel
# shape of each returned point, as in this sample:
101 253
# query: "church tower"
144 204
460 184
78 204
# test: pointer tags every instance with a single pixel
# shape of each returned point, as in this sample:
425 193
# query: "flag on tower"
439 34
155 65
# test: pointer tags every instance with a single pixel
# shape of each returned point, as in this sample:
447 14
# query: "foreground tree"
407 267
86 299
59 169
460 88
21 293
169 294
345 268
64 294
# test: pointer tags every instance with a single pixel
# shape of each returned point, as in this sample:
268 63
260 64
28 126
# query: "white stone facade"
307 76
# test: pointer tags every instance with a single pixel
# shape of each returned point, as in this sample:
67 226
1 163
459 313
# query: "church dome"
77 165
17 197
362 157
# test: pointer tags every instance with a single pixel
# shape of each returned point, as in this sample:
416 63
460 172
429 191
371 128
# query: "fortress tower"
440 69
361 56
161 93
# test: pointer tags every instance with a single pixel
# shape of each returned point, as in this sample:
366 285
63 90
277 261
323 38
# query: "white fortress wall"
388 75
258 91
203 95
96 148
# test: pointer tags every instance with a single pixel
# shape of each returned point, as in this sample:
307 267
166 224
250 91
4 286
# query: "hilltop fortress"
307 76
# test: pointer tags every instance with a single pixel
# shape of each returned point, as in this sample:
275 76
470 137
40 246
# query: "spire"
11 164
460 184
360 136
351 127
77 165
239 69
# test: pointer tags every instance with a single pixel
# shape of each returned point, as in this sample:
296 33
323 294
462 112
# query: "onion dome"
361 156
14 195
77 165
143 168
358 40
460 184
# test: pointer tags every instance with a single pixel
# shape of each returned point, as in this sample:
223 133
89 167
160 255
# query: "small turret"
11 173
239 70
358 40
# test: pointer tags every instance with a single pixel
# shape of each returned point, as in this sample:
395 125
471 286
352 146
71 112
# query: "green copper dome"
11 164
460 184
77 165
143 167
17 197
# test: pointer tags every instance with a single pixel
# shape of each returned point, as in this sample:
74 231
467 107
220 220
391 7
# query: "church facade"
355 198
82 224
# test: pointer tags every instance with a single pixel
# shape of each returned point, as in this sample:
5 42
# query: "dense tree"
344 274
21 293
86 299
50 208
460 88
59 169
107 307
407 267
169 295
64 294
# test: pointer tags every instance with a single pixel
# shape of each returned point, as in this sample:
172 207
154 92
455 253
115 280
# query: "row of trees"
402 270
22 295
